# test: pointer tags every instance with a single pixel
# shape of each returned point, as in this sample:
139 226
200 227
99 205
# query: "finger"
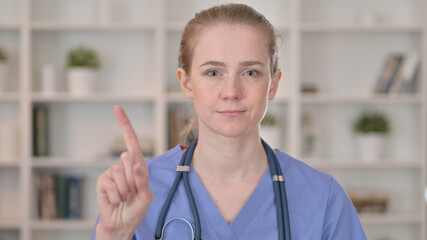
118 175
143 189
128 163
108 187
129 134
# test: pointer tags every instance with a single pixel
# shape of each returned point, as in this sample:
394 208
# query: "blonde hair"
233 13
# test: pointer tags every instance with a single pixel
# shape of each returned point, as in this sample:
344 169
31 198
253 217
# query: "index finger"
129 134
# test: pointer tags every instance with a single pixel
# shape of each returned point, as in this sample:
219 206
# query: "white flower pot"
370 147
271 135
81 81
3 76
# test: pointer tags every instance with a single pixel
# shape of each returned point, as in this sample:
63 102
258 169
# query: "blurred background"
352 102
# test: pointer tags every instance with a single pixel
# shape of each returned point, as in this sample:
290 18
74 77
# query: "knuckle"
117 168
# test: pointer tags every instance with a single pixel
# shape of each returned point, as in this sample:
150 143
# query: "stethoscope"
183 170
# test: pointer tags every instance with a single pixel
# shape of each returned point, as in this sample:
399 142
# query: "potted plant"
270 131
83 64
371 129
3 69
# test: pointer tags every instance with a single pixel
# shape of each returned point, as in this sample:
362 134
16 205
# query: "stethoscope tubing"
197 227
281 199
279 190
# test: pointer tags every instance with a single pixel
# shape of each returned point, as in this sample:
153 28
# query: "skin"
230 83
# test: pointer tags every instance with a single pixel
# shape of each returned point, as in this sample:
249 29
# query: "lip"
231 113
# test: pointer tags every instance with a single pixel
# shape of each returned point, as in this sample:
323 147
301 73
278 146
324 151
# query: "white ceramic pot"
271 135
81 81
3 76
370 147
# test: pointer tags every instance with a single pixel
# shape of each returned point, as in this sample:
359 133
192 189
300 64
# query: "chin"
234 132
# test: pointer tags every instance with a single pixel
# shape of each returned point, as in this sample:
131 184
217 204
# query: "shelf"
354 164
9 164
9 97
9 224
92 98
70 162
367 218
9 27
63 224
53 26
326 28
362 99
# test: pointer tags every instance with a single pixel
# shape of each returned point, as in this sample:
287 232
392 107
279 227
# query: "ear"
274 84
184 81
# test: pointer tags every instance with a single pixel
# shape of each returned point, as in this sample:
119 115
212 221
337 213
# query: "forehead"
231 43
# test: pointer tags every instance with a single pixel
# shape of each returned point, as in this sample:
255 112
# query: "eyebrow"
244 64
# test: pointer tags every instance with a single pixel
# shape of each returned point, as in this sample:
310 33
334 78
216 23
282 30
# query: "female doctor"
228 66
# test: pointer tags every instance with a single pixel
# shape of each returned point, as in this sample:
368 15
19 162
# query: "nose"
232 89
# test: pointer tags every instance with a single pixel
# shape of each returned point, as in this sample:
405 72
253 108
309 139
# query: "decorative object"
310 142
370 200
3 70
270 131
83 64
371 129
48 79
308 87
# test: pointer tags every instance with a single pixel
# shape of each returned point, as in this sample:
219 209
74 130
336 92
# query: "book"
398 74
407 75
62 196
395 73
75 205
40 130
59 197
386 74
46 196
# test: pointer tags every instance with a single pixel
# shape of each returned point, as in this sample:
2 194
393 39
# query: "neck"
230 159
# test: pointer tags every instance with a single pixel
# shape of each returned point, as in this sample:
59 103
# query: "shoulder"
295 169
169 159
307 184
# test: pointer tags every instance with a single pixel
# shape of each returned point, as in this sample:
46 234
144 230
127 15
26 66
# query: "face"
230 79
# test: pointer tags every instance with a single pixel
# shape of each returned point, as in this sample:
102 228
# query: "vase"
370 147
81 81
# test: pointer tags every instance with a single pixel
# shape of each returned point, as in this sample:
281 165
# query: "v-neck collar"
208 210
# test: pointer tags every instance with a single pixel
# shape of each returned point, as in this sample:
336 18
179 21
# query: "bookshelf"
324 44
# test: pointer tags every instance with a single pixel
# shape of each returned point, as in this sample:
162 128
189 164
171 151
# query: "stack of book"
398 74
59 197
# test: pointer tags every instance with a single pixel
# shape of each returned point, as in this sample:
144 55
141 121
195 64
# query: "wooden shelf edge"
67 224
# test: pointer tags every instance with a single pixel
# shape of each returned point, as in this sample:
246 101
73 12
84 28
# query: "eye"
212 73
251 73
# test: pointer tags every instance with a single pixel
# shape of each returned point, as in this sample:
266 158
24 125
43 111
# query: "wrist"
102 233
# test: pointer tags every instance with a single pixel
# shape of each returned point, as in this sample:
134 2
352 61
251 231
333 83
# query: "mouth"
231 113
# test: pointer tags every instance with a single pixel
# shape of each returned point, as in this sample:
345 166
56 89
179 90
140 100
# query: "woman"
228 65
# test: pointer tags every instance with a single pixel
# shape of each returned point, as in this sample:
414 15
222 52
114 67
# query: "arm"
341 219
123 191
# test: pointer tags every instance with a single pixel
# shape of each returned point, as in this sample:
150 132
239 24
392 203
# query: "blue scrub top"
319 207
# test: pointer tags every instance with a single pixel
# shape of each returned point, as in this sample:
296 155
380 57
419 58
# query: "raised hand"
123 190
